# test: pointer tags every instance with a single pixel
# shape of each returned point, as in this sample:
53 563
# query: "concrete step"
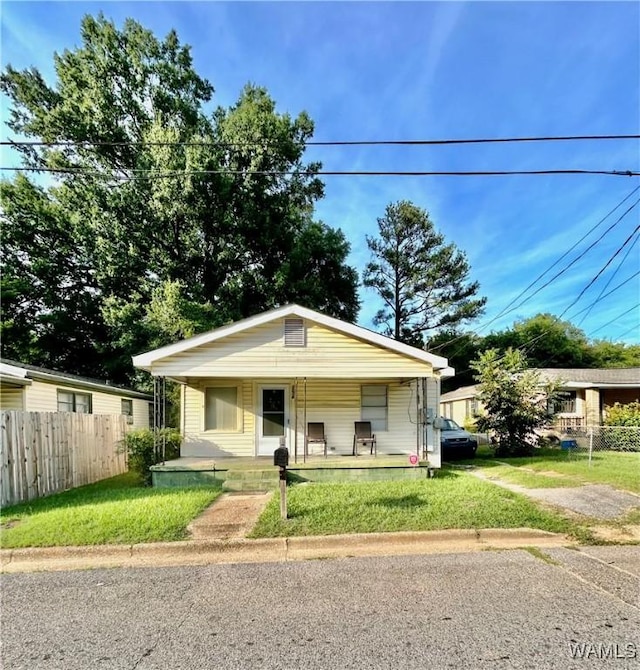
250 484
235 475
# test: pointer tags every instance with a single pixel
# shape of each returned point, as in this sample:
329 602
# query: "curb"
202 552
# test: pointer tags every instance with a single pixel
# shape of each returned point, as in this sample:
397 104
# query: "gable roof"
22 373
461 393
146 360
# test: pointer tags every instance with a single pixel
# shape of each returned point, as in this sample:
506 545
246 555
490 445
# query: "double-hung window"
126 408
70 401
221 409
374 406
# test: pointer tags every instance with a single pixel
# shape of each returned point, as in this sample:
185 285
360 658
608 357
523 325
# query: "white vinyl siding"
374 405
294 333
43 397
221 408
260 352
335 402
12 398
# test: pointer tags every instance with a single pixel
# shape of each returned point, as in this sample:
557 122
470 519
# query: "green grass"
618 469
113 511
450 500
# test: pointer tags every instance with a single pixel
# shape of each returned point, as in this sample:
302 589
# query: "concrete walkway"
599 501
232 515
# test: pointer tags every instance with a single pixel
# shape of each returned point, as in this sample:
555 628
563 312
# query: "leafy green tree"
423 282
166 219
515 400
459 349
549 342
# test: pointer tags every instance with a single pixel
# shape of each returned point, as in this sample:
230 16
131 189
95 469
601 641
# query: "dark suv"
456 442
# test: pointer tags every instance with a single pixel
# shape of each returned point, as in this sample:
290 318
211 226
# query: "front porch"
259 473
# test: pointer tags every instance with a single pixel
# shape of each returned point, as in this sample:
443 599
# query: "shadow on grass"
403 502
115 489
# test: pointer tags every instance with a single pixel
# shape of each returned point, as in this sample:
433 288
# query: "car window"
450 424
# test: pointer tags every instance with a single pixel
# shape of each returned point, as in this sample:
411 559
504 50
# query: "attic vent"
294 333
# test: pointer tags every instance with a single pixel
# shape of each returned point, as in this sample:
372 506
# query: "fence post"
590 444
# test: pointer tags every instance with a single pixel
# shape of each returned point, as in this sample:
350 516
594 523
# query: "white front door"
273 418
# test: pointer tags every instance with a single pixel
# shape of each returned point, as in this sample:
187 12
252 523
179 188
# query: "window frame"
375 422
239 409
129 402
74 401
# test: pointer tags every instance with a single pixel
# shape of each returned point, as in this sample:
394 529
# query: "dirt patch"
11 523
629 533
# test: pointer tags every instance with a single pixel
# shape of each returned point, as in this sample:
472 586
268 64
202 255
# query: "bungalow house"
34 389
252 385
587 394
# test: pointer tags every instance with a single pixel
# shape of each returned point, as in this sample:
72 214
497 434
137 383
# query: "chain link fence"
587 440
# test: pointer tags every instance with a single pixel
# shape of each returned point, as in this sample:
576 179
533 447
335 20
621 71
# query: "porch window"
374 406
69 401
221 408
565 404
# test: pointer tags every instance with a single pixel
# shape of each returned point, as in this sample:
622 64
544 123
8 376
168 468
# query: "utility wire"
634 327
540 276
606 295
155 174
611 278
604 325
317 143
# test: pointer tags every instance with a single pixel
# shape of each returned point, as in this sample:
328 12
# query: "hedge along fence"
46 452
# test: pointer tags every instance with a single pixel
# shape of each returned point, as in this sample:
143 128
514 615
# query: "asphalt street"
500 609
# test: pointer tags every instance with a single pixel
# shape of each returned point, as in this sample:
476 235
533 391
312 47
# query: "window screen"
221 408
374 406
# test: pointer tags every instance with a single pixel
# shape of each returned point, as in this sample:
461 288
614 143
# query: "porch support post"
417 417
295 420
160 416
304 420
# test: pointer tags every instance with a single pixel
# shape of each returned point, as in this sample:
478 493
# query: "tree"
166 219
515 400
549 342
423 282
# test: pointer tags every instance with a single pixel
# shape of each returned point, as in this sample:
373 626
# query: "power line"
634 327
606 295
156 174
604 325
602 269
611 278
505 310
322 143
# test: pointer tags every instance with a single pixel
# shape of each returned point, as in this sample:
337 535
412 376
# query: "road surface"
507 609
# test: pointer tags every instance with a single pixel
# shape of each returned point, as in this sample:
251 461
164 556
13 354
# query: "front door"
273 420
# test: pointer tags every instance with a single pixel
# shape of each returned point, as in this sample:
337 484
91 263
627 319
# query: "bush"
144 449
623 415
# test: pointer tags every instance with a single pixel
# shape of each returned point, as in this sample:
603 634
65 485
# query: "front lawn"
618 469
114 511
450 500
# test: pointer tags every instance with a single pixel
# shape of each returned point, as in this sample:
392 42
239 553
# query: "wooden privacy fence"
46 452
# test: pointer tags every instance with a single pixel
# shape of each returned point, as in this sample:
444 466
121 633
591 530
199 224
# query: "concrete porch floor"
203 464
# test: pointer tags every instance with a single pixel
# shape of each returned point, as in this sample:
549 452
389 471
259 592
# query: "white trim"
68 380
147 359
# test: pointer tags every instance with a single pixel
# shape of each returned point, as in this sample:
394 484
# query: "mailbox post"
281 459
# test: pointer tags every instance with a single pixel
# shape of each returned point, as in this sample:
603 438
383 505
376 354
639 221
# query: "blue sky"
374 71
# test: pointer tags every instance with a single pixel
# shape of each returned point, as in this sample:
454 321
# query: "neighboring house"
587 393
251 384
33 389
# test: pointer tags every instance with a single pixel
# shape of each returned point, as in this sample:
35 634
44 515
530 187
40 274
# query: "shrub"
623 415
144 449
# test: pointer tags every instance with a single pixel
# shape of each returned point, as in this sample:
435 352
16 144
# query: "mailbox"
281 457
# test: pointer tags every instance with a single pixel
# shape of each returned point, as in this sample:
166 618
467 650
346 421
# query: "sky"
435 70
